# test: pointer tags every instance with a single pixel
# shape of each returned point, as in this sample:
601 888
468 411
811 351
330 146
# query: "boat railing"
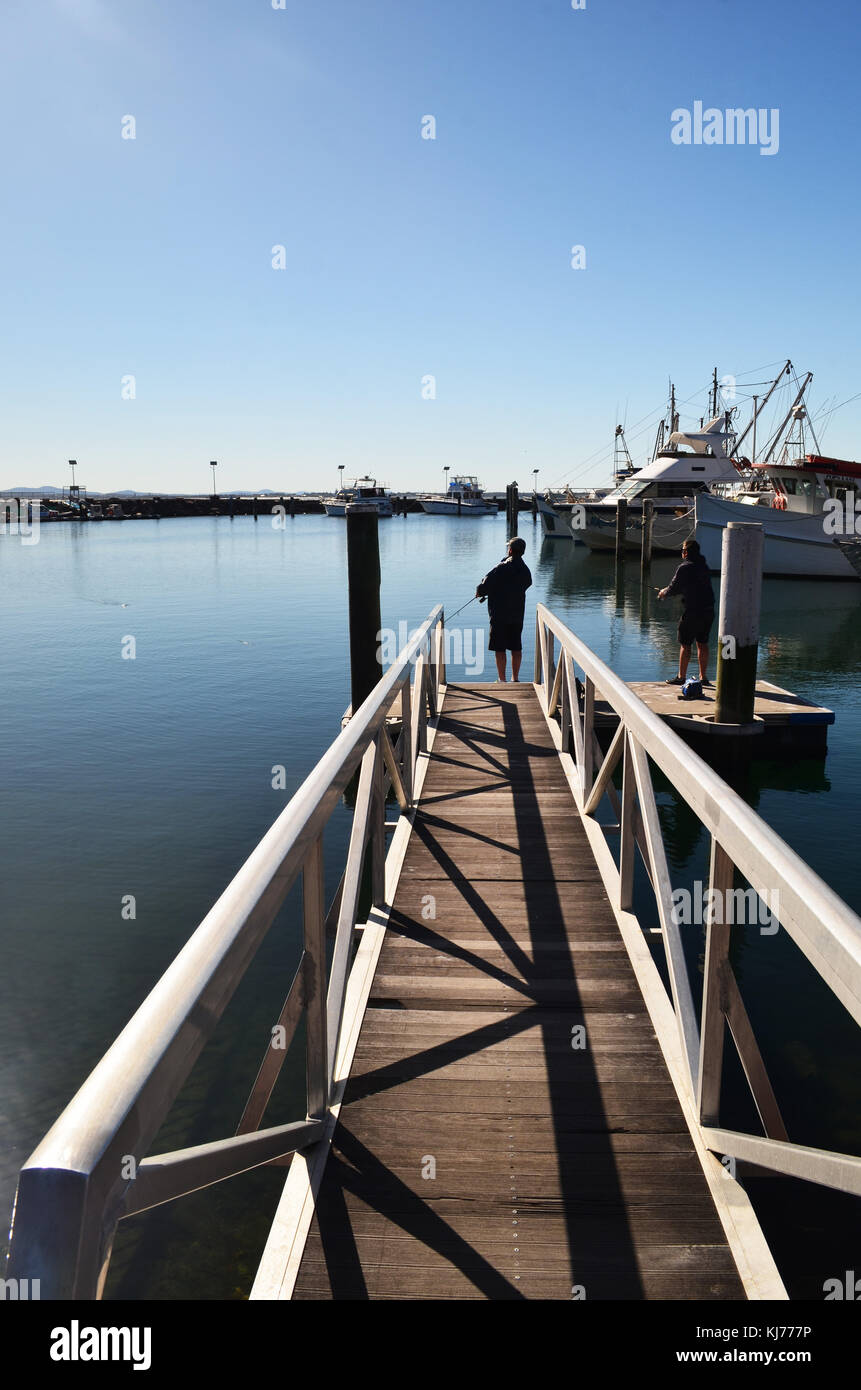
820 924
93 1168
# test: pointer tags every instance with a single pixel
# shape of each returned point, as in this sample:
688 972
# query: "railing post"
314 917
420 691
565 712
54 1238
721 874
588 735
378 830
407 739
537 649
440 672
550 663
626 828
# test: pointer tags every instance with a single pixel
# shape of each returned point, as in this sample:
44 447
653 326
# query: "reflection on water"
152 777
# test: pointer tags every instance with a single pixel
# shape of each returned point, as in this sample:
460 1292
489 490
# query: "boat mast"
784 371
623 464
790 415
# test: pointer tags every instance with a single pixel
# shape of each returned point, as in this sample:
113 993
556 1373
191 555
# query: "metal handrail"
91 1168
820 923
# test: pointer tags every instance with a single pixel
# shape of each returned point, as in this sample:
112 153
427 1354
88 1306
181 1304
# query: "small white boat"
464 498
364 490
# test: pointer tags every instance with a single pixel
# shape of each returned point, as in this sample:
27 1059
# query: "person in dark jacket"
505 590
692 581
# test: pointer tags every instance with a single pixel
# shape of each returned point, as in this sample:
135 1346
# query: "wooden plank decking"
554 1166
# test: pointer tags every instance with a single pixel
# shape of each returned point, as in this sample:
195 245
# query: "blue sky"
257 127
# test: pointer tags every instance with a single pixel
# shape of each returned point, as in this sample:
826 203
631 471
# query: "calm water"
152 777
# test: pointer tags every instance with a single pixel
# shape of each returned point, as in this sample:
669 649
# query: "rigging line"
848 401
605 452
764 368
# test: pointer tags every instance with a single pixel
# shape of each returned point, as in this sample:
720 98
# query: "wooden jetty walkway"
507 1050
506 1097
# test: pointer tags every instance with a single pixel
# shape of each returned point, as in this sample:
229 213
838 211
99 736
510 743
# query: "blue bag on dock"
692 689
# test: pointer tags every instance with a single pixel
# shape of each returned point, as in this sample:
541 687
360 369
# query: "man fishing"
505 590
692 581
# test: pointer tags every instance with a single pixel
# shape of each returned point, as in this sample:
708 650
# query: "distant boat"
364 490
464 498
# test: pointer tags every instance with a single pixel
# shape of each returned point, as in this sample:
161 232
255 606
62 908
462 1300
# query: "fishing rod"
466 605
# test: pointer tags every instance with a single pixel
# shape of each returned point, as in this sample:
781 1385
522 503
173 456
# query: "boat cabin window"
678 489
806 487
788 485
841 488
634 489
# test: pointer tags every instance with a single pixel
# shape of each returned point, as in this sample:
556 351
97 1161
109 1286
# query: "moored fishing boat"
806 508
805 502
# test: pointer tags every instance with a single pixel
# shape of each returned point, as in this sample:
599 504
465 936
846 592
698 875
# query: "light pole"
340 477
213 465
535 482
445 479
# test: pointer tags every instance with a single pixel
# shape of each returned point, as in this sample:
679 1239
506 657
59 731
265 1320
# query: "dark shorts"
505 637
695 627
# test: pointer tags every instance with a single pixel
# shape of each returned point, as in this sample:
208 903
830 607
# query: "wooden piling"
363 577
621 528
646 550
738 623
